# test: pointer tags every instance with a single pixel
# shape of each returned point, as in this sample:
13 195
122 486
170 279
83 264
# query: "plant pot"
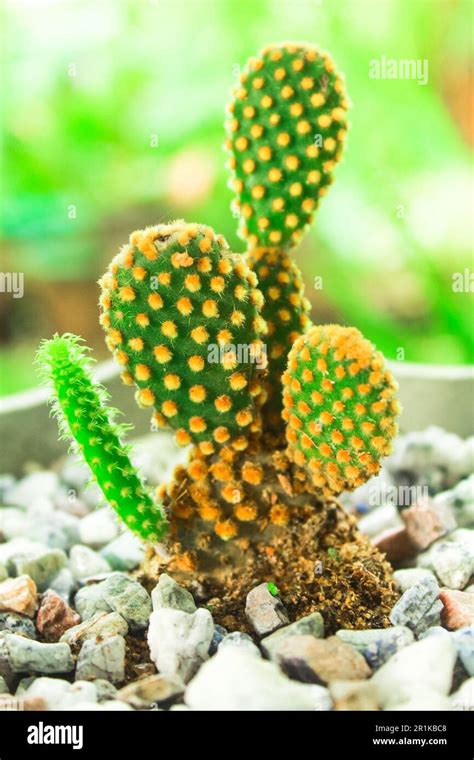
430 395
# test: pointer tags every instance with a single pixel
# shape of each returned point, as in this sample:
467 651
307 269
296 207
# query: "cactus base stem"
318 559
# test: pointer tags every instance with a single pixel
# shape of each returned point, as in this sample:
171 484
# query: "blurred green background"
112 120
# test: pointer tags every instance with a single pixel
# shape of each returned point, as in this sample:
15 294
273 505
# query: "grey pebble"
378 644
418 608
265 611
12 622
168 593
27 656
102 659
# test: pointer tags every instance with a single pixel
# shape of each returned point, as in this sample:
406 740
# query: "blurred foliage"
113 117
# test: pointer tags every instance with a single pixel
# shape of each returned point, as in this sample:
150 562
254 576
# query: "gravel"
84 562
426 665
79 632
179 642
102 659
167 593
377 645
312 625
28 656
418 608
264 610
234 678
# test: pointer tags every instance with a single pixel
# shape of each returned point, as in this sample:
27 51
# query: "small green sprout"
272 589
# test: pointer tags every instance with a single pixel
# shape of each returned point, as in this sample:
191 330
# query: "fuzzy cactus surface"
286 312
80 406
340 406
285 132
182 316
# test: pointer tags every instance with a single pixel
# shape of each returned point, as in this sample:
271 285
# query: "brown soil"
319 562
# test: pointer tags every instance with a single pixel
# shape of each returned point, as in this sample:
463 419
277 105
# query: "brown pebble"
426 521
312 660
395 543
55 616
19 595
458 609
153 689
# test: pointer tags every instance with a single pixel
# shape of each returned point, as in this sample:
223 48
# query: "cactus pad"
286 312
285 132
339 407
182 315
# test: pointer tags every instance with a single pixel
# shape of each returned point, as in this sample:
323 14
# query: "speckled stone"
41 567
168 593
407 578
27 656
179 642
102 659
128 597
11 622
377 645
90 600
418 608
102 625
264 611
453 564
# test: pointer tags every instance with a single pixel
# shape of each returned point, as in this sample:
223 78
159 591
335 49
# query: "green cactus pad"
182 315
340 407
84 417
286 128
286 312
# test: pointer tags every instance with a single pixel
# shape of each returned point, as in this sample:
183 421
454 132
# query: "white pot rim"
431 371
108 370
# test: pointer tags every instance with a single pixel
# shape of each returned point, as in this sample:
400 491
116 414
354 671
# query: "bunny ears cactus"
340 407
221 345
285 133
182 316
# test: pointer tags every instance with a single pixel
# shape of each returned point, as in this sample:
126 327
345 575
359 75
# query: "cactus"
285 132
286 312
340 407
182 315
80 406
193 325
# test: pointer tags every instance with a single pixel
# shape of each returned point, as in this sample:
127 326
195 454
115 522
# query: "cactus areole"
280 415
